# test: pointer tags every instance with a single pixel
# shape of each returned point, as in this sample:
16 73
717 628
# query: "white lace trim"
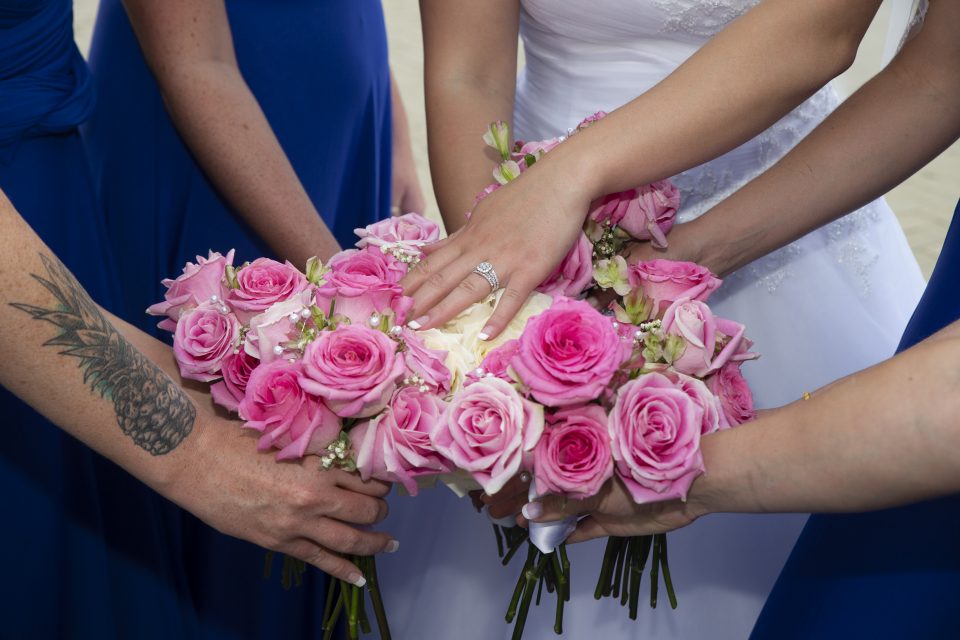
704 18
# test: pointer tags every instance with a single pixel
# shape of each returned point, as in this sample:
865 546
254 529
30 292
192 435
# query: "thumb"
551 508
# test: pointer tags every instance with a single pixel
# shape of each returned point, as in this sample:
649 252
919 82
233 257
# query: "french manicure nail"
532 510
392 546
356 580
485 334
419 322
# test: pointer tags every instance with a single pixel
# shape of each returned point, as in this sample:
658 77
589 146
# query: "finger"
550 508
507 506
353 482
413 200
343 538
433 247
509 305
587 529
430 271
355 508
517 485
471 289
325 560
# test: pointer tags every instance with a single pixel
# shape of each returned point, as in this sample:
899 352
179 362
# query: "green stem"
353 632
267 565
627 564
639 558
531 575
565 563
655 573
521 583
667 580
618 569
328 607
496 532
605 568
513 549
328 630
376 598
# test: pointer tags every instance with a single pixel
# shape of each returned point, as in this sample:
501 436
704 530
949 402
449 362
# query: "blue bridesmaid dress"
87 550
884 574
319 70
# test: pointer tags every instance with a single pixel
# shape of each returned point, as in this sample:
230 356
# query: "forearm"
63 357
227 132
189 47
470 81
746 78
880 136
879 438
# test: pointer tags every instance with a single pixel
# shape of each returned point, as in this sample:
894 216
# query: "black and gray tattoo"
150 407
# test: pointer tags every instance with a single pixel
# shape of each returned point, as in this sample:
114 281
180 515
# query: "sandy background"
924 203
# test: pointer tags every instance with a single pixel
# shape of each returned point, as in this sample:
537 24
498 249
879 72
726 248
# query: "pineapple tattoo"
150 408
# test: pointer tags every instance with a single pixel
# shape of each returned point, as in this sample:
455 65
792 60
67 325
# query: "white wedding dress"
834 302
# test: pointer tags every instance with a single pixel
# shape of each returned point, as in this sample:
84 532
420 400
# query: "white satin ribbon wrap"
547 536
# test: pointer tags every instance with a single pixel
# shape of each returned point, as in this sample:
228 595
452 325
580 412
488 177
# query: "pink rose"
736 400
535 148
364 282
709 342
655 432
271 330
573 456
486 429
666 281
236 370
200 283
645 213
568 354
701 394
354 368
204 337
497 363
426 363
289 419
262 284
408 232
574 274
395 446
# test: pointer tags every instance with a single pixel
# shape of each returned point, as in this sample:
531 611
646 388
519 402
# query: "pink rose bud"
408 233
655 431
644 213
290 419
736 400
496 363
486 429
709 342
427 364
365 283
204 337
236 370
666 281
568 354
262 284
395 446
574 274
199 284
573 456
354 368
589 120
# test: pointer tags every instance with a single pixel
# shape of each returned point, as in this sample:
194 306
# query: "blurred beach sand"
924 203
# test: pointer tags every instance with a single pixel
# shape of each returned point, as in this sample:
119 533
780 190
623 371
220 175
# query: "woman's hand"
294 507
523 229
612 512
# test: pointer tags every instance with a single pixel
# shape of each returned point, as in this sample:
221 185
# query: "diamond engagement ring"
485 270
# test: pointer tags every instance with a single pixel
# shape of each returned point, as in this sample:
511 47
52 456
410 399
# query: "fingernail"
392 546
485 334
419 322
532 510
356 580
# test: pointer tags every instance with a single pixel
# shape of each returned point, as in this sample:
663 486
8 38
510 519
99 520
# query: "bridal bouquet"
319 363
